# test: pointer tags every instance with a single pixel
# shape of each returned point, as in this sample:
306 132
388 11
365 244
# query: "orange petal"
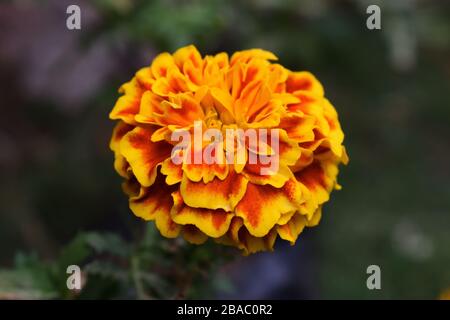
304 81
263 205
120 163
161 64
143 155
215 70
256 70
314 221
223 101
127 106
245 55
180 110
277 75
155 204
306 158
298 127
255 174
274 169
315 179
254 97
193 74
161 87
308 102
253 244
163 133
150 106
205 170
188 53
285 217
276 142
185 108
289 149
175 82
267 117
231 238
192 235
145 202
335 136
291 230
239 237
216 194
234 79
132 188
213 223
173 172
145 78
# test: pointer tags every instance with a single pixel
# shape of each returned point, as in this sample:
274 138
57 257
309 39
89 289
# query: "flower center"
212 120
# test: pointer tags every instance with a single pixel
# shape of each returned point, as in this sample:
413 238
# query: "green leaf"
22 284
107 243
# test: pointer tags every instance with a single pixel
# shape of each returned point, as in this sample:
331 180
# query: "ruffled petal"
317 216
291 230
212 163
143 155
252 244
214 223
127 106
188 54
161 64
245 55
304 81
173 172
145 78
155 203
263 205
273 169
120 163
193 235
179 110
319 179
298 127
217 194
238 236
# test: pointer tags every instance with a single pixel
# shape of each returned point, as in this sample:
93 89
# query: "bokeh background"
391 88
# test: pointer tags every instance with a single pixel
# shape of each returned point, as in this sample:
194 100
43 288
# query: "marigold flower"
231 202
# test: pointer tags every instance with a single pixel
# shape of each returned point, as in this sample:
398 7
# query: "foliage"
152 268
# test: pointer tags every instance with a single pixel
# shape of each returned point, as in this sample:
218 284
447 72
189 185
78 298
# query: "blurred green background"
390 86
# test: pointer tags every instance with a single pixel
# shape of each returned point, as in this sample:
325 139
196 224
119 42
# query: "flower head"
240 149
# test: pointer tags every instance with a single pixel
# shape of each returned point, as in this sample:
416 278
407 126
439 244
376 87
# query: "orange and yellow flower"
232 203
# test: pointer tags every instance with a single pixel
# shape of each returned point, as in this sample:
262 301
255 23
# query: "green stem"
136 275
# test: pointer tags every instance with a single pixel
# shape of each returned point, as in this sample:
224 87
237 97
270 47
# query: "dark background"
390 86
